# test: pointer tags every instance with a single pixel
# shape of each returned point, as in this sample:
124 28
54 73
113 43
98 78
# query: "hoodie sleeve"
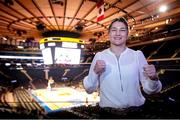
90 82
149 86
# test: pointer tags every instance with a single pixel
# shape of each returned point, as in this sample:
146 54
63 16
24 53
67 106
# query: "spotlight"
8 2
79 28
57 2
163 8
40 26
19 32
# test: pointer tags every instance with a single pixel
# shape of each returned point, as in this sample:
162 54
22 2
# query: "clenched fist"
150 71
99 67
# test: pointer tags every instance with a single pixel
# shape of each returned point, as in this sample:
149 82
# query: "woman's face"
118 33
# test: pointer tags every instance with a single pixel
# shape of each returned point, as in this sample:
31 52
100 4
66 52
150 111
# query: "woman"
120 71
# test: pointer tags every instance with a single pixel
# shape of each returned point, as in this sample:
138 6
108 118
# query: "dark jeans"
126 113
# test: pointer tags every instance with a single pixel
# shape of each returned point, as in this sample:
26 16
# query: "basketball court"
63 98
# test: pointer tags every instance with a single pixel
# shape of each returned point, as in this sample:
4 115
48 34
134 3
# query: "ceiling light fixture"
8 2
60 2
167 21
163 8
136 34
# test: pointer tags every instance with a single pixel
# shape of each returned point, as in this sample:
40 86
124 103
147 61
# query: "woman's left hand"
150 71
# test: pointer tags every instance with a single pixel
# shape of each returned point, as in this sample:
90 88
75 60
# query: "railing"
150 60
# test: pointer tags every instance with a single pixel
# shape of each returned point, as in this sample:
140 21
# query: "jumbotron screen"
67 55
61 50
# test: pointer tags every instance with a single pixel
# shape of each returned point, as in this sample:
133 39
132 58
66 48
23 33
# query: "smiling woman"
60 38
127 68
118 32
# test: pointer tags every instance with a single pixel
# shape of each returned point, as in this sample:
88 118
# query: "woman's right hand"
99 67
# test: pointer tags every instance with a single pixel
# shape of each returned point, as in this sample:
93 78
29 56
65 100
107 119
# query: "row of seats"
162 108
18 103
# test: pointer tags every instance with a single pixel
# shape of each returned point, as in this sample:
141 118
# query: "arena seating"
164 105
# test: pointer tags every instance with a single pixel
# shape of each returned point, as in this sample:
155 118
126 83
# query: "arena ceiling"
21 19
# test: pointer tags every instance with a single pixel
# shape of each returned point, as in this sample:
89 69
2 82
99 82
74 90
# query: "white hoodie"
120 83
